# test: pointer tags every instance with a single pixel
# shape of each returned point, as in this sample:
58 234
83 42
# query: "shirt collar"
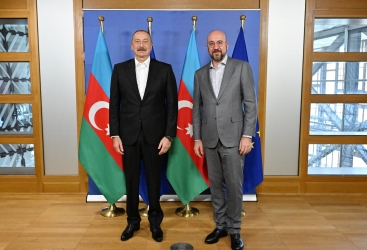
223 62
146 62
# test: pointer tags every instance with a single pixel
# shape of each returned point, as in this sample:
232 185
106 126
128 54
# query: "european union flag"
253 168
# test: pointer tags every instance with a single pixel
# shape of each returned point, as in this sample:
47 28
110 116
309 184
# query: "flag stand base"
144 211
112 211
187 211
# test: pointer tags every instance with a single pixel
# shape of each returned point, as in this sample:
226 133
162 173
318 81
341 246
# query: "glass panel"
338 119
337 159
14 35
340 35
16 119
339 78
15 78
17 159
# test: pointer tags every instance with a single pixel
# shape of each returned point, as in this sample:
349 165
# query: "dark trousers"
153 168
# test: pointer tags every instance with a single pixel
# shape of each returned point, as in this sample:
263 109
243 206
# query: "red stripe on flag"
185 129
96 113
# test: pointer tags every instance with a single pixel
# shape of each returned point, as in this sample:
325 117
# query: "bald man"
224 117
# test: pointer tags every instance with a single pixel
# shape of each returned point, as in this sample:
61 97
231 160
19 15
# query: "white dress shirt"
216 75
142 70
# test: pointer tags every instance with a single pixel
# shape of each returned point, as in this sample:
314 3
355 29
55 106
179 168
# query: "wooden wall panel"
61 184
172 4
68 187
336 187
340 4
280 184
80 91
18 184
13 4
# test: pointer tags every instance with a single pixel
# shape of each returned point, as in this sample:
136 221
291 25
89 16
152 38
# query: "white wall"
58 88
284 82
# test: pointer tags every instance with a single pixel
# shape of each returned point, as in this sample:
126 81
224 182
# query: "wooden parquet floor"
66 221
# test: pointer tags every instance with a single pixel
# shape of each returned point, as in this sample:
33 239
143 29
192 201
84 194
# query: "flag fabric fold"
253 170
187 173
165 186
96 154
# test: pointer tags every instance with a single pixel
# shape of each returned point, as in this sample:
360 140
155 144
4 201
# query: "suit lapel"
228 71
132 77
152 74
208 80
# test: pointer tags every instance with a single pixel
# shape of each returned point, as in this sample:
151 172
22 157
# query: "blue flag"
253 168
165 186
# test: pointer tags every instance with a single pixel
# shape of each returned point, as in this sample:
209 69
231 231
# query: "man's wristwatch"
169 138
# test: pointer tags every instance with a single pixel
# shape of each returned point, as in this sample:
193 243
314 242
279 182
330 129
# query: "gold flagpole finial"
101 19
150 20
194 19
243 18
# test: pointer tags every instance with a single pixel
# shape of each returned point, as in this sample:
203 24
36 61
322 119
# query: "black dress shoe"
214 236
157 233
236 242
129 231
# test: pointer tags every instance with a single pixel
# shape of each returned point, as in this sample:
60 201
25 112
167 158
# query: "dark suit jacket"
156 113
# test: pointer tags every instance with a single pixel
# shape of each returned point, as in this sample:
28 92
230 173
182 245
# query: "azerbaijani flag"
253 170
187 173
102 163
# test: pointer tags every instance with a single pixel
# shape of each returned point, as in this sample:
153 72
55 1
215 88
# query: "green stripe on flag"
183 174
100 165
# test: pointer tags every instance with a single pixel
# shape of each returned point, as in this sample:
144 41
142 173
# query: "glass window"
15 78
17 159
340 35
338 119
14 35
337 159
339 78
16 119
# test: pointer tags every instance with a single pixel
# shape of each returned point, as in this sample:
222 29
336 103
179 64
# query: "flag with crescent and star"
187 173
99 159
253 168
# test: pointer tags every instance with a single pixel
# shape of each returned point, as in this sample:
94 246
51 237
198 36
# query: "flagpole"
112 210
144 210
150 20
243 18
187 210
101 19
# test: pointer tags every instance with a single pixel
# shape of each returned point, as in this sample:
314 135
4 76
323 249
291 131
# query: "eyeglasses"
219 43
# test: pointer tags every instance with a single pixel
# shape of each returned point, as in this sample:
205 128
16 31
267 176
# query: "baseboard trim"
101 198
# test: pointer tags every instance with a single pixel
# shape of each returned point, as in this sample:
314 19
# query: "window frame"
25 183
321 183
